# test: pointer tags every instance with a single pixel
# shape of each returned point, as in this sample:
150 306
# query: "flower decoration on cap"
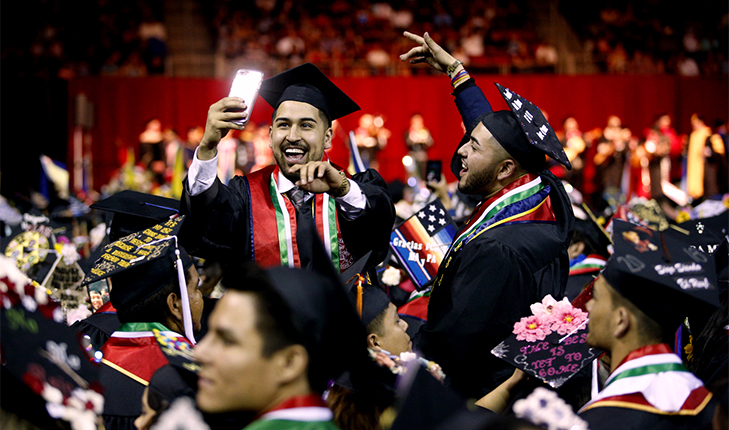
549 316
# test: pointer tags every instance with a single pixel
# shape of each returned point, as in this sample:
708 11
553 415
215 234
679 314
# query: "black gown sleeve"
371 229
217 223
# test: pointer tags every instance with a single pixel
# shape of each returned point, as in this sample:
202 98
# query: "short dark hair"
648 329
274 318
377 325
322 116
154 308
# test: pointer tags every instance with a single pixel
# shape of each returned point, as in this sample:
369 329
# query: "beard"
476 182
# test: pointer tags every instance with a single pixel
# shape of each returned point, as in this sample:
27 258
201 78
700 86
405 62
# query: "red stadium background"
123 105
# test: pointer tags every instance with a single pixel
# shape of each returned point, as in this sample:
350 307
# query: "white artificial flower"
69 254
391 276
58 315
29 304
40 296
52 394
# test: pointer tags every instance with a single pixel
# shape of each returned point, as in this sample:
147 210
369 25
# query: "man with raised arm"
513 249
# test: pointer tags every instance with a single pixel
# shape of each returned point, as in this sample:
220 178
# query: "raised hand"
219 122
428 52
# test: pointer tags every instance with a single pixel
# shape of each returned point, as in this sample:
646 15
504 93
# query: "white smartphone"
246 85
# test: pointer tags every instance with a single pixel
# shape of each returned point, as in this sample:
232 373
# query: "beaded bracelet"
462 76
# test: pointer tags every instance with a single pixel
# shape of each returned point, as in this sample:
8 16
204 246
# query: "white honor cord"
186 313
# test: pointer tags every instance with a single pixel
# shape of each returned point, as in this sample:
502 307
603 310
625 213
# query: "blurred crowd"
362 38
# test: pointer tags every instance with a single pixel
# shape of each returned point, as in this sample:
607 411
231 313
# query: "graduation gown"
219 223
488 286
638 395
131 356
99 326
491 282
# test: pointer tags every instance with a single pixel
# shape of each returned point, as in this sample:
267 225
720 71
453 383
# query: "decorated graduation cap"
524 132
144 263
134 211
665 277
307 84
43 364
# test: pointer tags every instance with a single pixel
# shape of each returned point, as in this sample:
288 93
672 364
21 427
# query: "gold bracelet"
344 188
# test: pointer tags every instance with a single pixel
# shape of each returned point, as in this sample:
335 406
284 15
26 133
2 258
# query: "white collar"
283 185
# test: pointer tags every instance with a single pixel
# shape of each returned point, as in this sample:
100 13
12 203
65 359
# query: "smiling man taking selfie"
272 215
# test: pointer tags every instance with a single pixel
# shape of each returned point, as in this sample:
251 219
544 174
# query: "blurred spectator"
418 139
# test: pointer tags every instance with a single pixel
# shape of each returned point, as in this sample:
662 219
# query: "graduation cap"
324 319
142 264
307 84
424 402
369 300
663 276
134 211
524 132
40 350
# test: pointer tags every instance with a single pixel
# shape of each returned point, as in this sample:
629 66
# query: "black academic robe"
219 227
488 286
612 418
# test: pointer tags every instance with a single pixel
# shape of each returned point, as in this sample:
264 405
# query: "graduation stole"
653 379
592 263
273 228
307 408
521 201
133 350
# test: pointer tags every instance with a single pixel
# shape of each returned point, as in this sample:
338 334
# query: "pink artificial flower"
568 319
531 329
549 307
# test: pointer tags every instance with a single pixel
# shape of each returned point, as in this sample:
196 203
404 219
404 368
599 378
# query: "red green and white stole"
133 350
274 224
653 379
308 408
592 263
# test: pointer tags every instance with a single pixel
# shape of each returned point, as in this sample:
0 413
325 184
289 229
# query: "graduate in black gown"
649 285
155 289
259 216
513 250
130 211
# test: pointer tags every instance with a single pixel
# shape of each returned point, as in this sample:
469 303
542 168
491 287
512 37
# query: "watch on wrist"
452 68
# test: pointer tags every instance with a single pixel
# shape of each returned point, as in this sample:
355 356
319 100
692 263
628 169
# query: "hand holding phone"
246 85
433 170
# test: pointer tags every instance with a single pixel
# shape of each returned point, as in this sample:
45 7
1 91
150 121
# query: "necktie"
297 196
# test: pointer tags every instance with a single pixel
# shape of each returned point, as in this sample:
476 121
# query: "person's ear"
372 341
328 138
292 362
174 304
270 136
575 249
621 322
506 169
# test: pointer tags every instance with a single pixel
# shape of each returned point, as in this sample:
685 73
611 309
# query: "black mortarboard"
369 300
142 264
424 402
134 211
663 276
307 84
323 318
707 233
524 132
